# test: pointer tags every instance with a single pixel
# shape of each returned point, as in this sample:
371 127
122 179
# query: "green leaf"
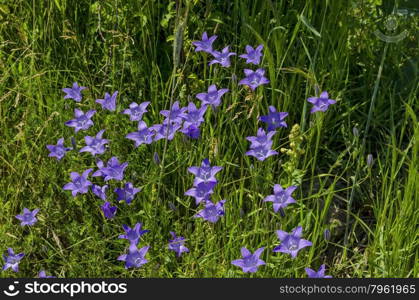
309 26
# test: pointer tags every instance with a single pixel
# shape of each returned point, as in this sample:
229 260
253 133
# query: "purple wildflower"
212 97
144 135
202 191
175 114
58 150
191 131
253 55
250 262
254 78
177 244
262 139
133 234
261 152
43 274
194 116
80 183
74 92
205 44
212 212
319 274
370 160
204 173
28 217
100 191
134 258
163 131
113 169
281 198
136 111
222 58
292 242
108 210
274 119
320 103
109 102
95 145
82 121
127 193
156 158
12 260
261 145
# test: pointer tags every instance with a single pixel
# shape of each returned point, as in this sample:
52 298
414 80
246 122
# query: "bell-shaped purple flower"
113 169
43 274
133 235
253 55
281 198
80 183
135 258
194 116
250 261
262 139
165 131
82 121
175 114
212 97
320 103
95 145
261 152
202 191
222 58
292 242
205 44
100 191
319 274
12 260
211 212
261 145
177 244
108 210
74 92
127 193
58 150
204 173
191 131
109 102
28 217
144 135
136 111
274 119
254 79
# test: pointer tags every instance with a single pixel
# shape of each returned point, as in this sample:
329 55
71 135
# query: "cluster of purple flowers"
188 121
184 119
135 257
12 260
203 187
96 145
189 117
291 243
253 56
261 145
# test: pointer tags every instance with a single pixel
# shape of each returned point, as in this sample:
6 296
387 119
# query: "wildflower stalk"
319 125
362 149
177 47
205 67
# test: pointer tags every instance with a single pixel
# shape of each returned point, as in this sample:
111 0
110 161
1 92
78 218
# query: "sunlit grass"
309 46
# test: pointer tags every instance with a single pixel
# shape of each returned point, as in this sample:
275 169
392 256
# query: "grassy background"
143 49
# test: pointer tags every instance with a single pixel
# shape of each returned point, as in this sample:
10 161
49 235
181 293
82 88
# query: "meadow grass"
144 50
